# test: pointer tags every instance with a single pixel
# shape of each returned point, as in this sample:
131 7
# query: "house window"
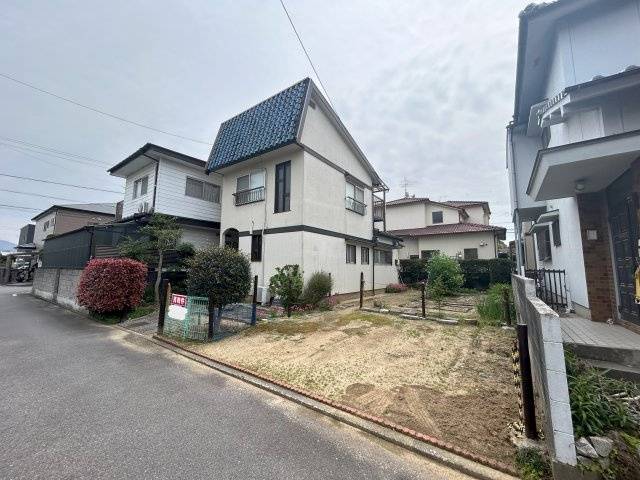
351 254
427 254
470 253
45 226
283 188
354 198
383 257
202 190
140 186
555 227
250 188
256 248
436 217
544 244
364 255
546 137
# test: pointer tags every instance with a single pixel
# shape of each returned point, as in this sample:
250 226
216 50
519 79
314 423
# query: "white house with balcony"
458 229
297 189
573 148
164 181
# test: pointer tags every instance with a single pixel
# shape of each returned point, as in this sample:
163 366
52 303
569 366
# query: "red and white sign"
180 300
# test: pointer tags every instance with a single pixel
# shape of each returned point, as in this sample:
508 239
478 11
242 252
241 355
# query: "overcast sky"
425 87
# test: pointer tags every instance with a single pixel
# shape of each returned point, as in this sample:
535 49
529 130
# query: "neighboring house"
573 147
59 219
164 181
297 189
25 243
458 229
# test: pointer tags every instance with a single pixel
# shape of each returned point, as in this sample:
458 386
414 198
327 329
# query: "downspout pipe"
511 165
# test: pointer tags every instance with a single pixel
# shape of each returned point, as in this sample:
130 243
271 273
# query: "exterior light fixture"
579 185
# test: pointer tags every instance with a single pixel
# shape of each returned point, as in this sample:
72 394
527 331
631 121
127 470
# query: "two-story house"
457 229
164 181
59 219
297 189
573 148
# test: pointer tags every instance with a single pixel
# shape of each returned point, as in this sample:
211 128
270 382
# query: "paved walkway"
82 400
581 331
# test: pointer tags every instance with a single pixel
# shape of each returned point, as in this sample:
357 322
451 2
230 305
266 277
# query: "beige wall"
477 215
418 215
452 245
67 220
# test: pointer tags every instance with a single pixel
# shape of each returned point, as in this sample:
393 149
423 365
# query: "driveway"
82 400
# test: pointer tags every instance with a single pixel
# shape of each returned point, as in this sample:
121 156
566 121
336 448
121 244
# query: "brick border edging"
487 462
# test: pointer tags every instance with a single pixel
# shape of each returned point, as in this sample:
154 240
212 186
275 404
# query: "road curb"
430 447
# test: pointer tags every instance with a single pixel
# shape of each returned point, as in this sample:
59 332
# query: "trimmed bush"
395 288
413 270
447 271
221 274
500 270
317 288
112 285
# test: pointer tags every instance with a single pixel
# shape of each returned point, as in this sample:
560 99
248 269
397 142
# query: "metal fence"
187 317
551 287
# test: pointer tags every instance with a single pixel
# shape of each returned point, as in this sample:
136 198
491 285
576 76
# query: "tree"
437 292
161 234
287 284
221 274
448 271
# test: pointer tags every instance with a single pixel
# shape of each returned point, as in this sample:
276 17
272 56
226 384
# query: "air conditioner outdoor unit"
263 294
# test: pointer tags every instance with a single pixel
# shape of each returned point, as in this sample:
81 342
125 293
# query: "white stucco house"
573 148
297 189
164 181
457 229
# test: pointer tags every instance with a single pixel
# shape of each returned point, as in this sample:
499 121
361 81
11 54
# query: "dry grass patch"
452 382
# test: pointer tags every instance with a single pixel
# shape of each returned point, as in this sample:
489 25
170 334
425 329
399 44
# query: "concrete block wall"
547 369
58 285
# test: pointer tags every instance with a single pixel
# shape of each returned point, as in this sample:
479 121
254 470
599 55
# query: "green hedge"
413 270
479 274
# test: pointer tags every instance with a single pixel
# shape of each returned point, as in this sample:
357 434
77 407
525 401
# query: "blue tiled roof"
268 125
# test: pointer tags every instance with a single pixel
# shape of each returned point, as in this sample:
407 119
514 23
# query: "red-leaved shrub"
112 284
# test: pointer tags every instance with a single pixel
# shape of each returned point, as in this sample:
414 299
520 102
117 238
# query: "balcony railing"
378 209
249 196
551 287
355 205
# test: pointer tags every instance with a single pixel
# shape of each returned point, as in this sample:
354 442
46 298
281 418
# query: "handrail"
249 196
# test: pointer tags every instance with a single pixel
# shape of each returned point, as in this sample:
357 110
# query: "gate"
551 287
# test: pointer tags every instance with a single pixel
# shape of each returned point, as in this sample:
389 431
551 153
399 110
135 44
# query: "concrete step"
622 356
616 370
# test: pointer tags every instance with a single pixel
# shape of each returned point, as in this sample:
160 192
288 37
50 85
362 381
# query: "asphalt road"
82 400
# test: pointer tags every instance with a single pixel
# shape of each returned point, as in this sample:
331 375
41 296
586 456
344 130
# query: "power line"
38 195
17 207
53 150
31 153
306 52
58 183
102 112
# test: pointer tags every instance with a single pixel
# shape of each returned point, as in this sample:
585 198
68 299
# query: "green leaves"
448 271
287 284
219 273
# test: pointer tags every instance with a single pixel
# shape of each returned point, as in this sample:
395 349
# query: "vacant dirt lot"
452 382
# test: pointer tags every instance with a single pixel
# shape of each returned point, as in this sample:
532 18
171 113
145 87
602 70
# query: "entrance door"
624 233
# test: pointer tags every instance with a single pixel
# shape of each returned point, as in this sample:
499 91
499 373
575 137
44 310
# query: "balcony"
378 209
355 205
249 196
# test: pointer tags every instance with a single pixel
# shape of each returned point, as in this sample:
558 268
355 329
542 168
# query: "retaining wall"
547 369
57 285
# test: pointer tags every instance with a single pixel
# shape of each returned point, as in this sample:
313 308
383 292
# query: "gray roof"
103 208
269 125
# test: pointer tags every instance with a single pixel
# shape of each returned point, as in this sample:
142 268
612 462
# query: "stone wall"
58 285
547 369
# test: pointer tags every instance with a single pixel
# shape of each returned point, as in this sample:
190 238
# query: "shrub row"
478 274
